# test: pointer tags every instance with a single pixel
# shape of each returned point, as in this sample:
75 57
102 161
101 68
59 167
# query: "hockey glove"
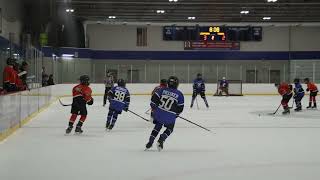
126 108
90 102
307 89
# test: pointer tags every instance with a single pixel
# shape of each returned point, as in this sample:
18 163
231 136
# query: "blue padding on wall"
183 55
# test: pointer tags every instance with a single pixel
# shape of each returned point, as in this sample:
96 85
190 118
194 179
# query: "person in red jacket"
81 97
285 90
313 93
10 76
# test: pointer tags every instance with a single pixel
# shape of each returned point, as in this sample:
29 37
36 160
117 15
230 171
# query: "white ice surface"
242 145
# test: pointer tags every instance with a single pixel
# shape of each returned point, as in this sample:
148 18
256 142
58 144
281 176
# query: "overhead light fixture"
160 11
244 12
173 0
191 18
112 17
272 1
266 18
69 10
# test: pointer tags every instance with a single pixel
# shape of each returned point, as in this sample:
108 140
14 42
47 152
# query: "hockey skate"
107 125
109 128
298 109
160 146
286 111
148 146
69 129
309 107
314 106
78 130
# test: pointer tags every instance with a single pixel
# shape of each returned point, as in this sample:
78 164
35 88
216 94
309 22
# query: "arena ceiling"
194 10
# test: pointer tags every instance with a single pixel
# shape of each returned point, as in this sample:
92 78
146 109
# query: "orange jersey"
9 75
81 90
284 88
312 87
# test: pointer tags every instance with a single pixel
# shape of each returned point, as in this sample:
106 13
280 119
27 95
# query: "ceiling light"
266 18
161 11
244 12
173 0
67 10
191 18
72 10
272 0
112 17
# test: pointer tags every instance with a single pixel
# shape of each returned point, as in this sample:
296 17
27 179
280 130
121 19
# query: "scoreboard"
212 33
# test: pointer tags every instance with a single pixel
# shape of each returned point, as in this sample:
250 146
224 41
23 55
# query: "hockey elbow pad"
90 102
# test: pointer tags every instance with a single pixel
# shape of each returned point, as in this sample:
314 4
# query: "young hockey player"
285 90
10 76
298 94
313 93
167 104
199 88
163 84
119 98
224 87
81 97
109 83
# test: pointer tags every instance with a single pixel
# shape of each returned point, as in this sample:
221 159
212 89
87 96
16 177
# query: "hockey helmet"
84 79
173 82
163 82
121 83
11 61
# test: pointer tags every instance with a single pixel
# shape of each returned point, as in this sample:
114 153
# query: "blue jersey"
298 89
224 83
167 104
198 85
119 98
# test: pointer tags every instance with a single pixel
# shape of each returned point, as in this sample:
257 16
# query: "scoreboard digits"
212 33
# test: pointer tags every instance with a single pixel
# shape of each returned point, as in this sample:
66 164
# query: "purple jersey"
167 104
119 98
224 83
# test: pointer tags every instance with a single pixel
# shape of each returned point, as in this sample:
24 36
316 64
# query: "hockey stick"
64 104
276 110
194 123
292 104
139 116
147 112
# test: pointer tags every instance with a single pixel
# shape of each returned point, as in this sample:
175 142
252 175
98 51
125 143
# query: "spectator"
45 79
19 83
50 80
9 76
24 73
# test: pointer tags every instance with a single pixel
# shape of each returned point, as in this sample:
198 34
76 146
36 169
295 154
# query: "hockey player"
199 88
313 93
163 84
119 98
285 90
224 87
81 96
298 94
167 104
10 76
109 84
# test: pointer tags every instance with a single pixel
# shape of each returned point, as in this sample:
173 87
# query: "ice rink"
241 146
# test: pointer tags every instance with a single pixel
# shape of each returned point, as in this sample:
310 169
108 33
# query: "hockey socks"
192 101
111 119
206 102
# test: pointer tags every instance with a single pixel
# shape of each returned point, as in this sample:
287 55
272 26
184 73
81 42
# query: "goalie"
223 87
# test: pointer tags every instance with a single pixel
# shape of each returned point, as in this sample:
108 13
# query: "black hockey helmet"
84 79
121 83
296 80
173 82
11 61
276 84
163 82
199 75
306 80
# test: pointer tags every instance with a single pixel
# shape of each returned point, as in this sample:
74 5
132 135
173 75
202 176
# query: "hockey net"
234 89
